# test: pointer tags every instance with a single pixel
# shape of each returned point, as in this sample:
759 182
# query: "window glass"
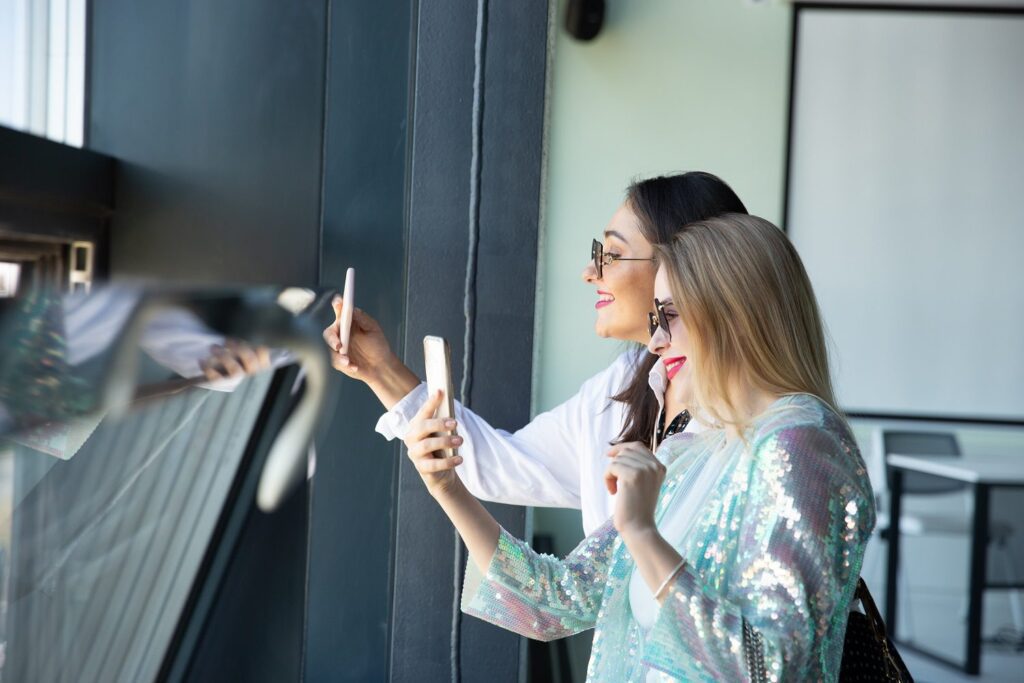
117 457
9 275
42 68
104 529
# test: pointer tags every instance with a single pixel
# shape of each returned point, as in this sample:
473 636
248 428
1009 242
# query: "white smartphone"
437 358
345 319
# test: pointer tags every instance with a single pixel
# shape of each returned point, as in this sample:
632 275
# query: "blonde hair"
742 292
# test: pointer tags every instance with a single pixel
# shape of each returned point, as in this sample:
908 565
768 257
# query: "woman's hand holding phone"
427 438
368 349
364 353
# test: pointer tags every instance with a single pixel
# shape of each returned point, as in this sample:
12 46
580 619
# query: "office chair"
918 483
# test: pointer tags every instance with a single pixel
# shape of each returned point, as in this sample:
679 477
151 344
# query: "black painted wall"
215 111
364 226
474 204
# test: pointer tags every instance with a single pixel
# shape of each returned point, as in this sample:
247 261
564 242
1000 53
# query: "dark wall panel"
363 227
215 110
474 201
510 182
439 197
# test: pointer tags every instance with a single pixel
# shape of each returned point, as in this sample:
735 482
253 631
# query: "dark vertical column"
978 578
511 168
439 210
364 226
892 565
474 203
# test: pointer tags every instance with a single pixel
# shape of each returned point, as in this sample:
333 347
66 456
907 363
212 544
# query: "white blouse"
558 459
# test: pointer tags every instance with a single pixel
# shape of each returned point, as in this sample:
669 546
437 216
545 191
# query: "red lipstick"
673 365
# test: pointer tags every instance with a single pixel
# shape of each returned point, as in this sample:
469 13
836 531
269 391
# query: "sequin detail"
772 563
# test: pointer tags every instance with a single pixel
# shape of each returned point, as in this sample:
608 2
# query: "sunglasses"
602 259
657 318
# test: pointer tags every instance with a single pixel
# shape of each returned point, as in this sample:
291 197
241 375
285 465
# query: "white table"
982 473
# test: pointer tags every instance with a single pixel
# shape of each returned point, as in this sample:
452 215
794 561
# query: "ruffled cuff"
493 595
394 424
516 594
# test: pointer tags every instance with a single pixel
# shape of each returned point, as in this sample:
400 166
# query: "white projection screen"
905 198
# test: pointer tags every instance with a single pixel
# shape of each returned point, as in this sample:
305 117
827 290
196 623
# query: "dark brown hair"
663 205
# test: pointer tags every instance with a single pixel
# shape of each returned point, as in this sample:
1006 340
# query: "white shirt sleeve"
539 464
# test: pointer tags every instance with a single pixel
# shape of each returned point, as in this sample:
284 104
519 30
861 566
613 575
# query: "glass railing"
124 424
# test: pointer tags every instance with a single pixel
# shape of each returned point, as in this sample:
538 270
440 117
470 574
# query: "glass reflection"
117 452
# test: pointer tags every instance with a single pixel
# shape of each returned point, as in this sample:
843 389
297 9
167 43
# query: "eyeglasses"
657 318
602 259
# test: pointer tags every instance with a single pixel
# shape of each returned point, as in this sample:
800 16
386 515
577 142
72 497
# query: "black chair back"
922 443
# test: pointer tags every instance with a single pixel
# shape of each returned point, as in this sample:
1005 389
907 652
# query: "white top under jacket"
558 459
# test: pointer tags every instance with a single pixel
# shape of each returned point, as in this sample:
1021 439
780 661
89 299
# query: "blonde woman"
732 554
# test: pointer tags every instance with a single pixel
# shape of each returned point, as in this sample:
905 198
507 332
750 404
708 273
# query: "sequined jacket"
771 564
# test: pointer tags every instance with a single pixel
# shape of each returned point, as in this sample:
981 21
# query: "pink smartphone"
437 358
345 319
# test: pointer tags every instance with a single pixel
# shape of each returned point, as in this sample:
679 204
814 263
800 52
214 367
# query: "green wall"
667 86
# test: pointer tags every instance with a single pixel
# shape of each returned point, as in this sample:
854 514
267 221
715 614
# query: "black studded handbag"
868 654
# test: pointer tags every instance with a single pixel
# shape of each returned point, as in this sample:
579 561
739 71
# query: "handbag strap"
893 670
864 595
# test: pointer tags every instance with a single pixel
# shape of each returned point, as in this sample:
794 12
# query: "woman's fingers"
364 321
429 407
611 482
435 465
628 446
631 466
638 458
245 355
421 429
209 371
618 472
627 461
331 336
227 360
425 448
345 363
426 433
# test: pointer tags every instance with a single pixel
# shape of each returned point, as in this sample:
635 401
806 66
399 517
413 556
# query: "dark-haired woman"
559 459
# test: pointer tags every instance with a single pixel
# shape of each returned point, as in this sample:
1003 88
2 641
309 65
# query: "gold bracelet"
668 580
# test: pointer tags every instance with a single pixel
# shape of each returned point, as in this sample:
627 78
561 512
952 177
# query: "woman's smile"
673 365
629 274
